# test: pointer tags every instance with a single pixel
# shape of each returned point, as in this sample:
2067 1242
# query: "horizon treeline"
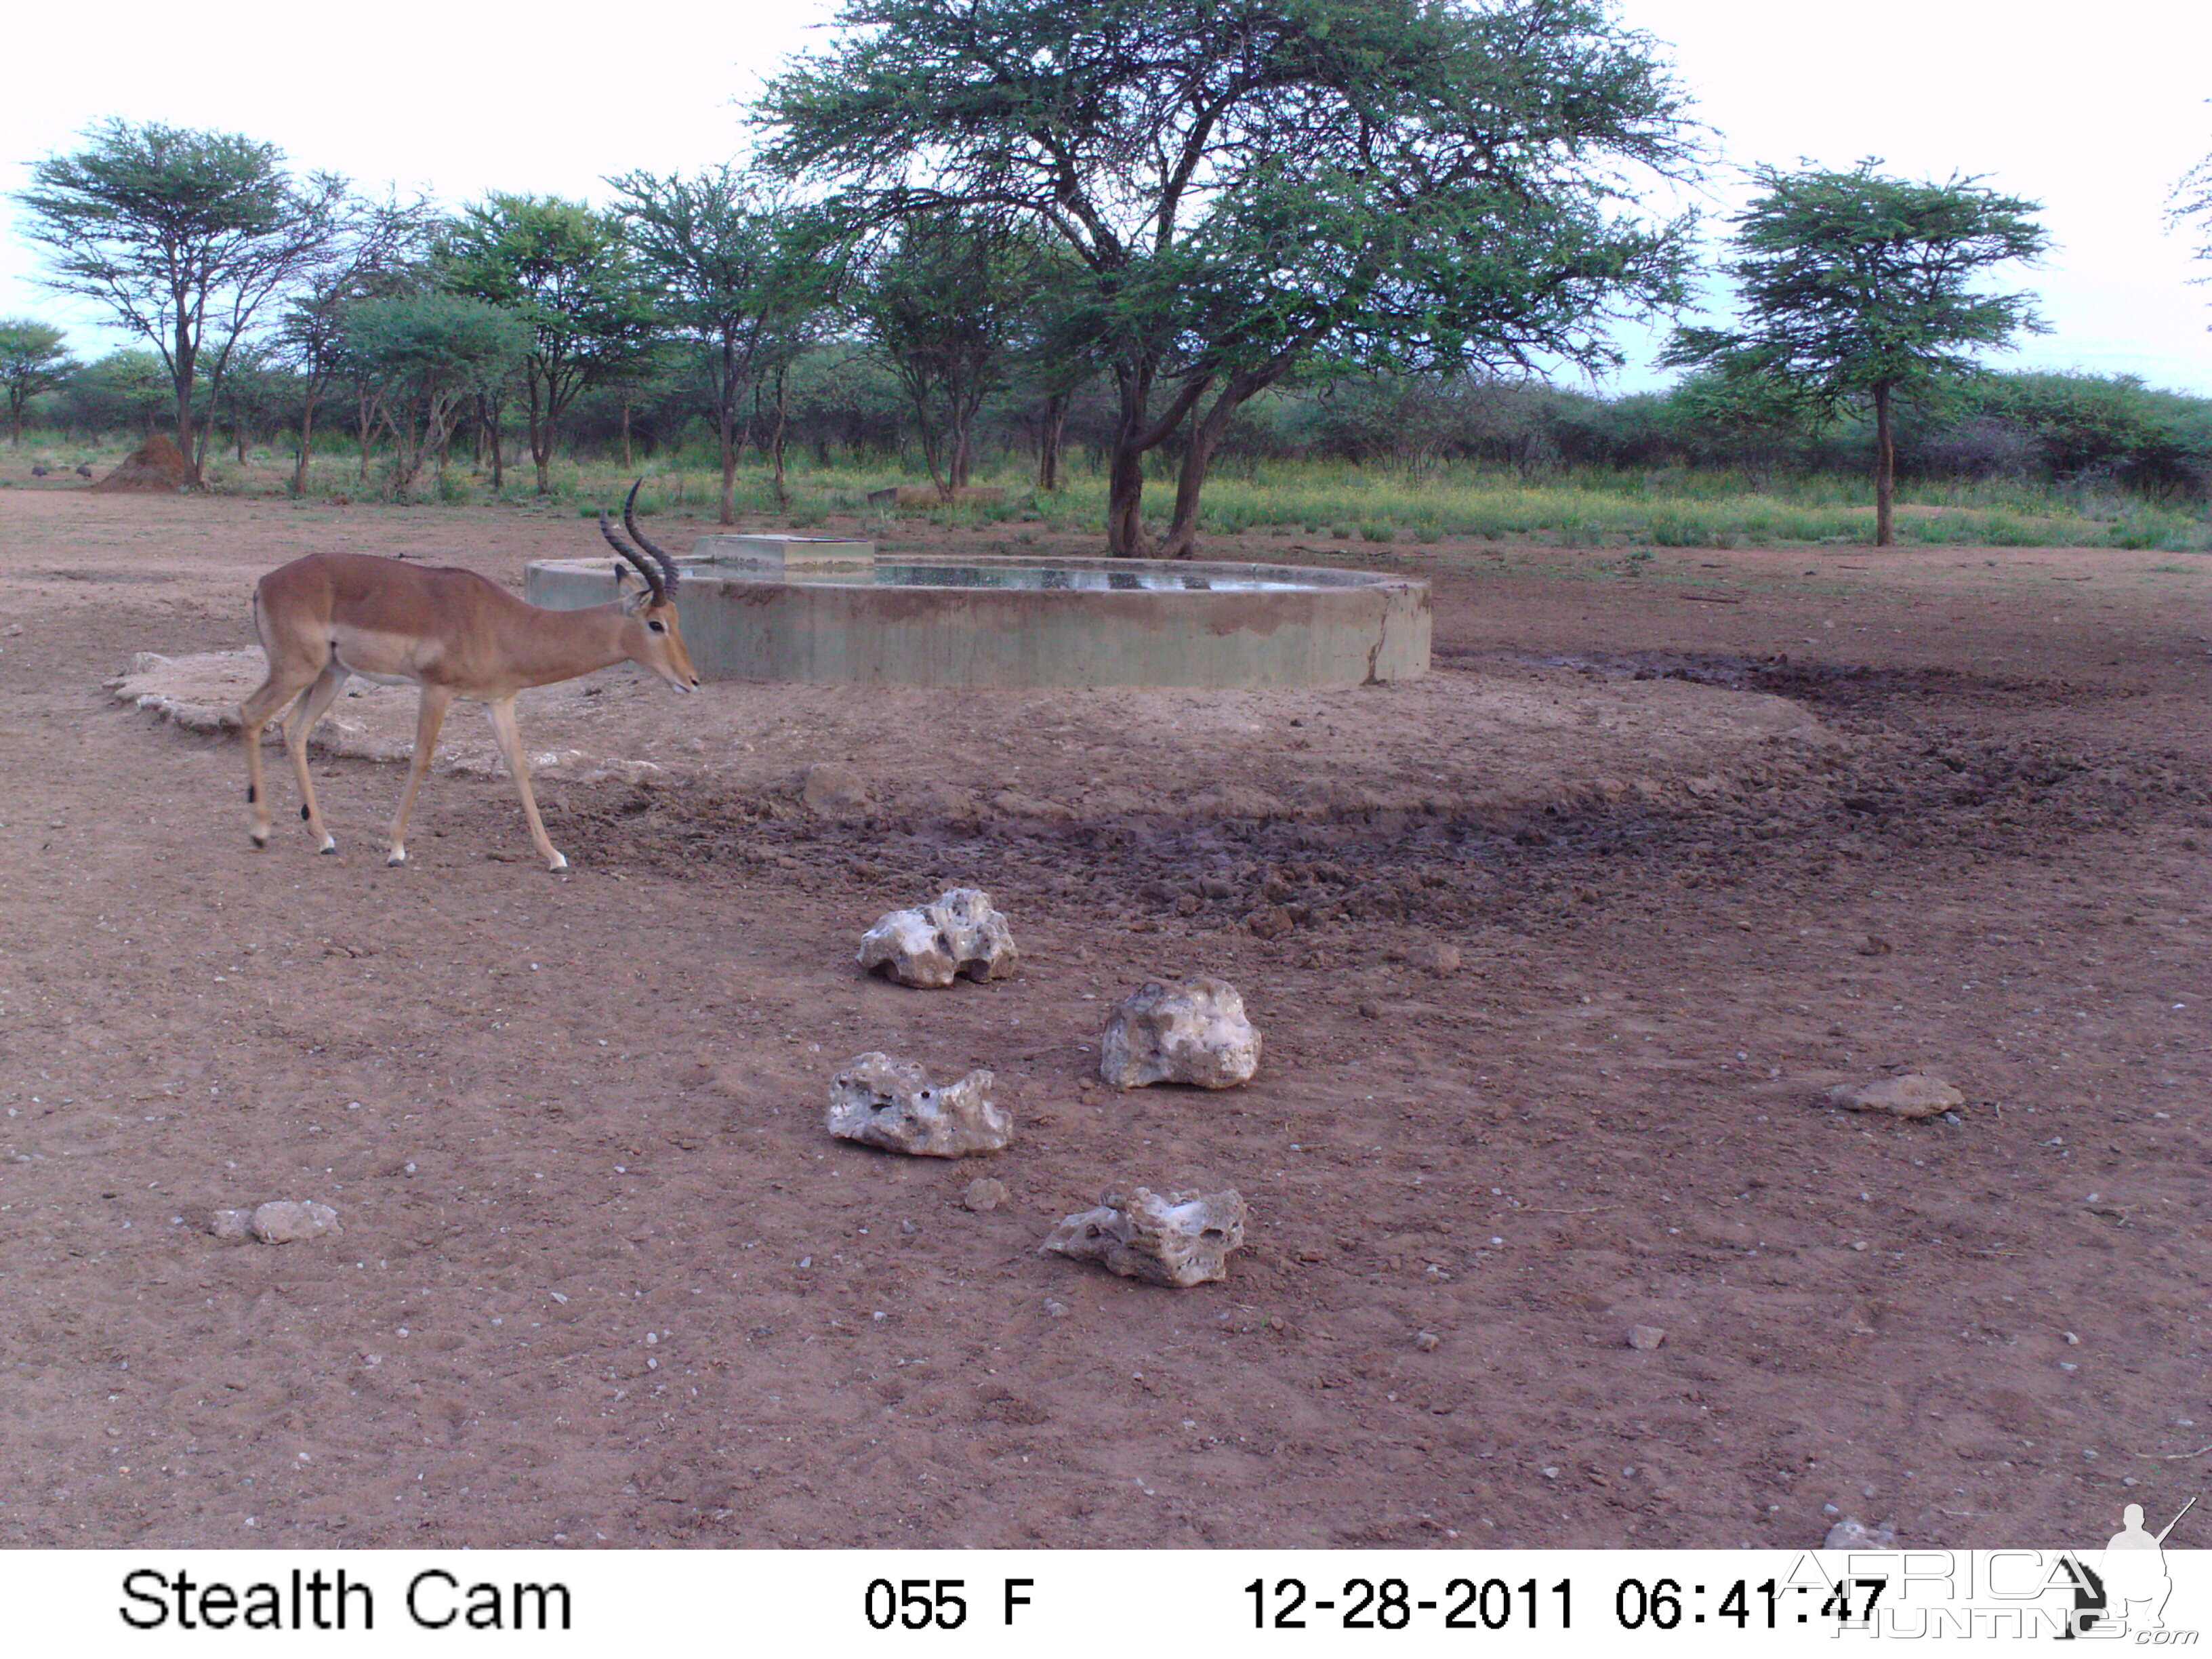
1156 241
845 406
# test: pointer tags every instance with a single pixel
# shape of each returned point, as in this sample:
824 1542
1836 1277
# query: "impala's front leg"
428 717
509 734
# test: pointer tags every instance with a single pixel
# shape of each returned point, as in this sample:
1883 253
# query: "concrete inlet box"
771 556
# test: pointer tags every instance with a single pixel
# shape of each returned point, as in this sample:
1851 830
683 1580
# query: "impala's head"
656 642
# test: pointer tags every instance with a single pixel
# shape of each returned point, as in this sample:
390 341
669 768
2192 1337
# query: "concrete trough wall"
1337 628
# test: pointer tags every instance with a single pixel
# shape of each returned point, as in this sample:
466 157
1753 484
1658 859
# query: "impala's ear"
634 602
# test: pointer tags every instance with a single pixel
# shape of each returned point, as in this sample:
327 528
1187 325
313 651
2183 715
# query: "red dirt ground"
1707 839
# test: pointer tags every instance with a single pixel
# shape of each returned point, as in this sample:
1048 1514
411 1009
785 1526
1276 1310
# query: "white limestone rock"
931 947
1195 1033
1852 1534
892 1103
1182 1240
288 1221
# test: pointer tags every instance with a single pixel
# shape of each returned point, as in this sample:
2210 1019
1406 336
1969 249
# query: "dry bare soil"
1706 839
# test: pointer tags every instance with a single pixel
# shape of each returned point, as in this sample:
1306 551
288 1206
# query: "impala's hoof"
260 840
394 859
559 865
329 844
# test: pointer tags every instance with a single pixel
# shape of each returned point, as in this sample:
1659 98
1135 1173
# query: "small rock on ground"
1913 1095
1852 1534
288 1221
1183 1239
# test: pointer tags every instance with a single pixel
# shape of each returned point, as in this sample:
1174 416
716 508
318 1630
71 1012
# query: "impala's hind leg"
254 714
503 727
428 717
314 702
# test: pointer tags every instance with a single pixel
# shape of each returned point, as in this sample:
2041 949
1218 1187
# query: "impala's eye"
658 627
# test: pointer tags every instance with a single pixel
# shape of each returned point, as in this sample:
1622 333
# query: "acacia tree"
566 272
2192 198
378 253
33 360
1251 184
184 235
741 271
945 301
1856 292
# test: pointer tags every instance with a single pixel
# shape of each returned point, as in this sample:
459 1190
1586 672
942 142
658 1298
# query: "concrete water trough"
796 608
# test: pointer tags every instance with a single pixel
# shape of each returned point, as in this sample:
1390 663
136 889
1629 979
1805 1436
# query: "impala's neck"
563 644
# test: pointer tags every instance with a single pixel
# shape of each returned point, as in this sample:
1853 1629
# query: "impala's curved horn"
651 576
668 572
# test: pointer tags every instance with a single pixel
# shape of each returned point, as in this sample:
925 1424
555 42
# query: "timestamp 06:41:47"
1468 1603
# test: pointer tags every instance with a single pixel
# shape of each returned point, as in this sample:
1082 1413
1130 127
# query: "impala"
330 615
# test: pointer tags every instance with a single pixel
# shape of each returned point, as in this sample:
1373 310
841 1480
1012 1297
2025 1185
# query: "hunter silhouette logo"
2127 1591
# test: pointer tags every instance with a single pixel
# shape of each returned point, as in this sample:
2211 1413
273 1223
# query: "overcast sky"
2094 110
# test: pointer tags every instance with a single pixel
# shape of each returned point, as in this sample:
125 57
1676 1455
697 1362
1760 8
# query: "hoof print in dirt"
892 1103
1183 1239
282 1221
1913 1095
931 947
1195 1033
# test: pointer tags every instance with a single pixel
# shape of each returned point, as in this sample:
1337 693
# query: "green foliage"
1249 184
33 360
422 358
741 272
2079 427
946 301
2191 200
125 390
566 272
1852 283
183 234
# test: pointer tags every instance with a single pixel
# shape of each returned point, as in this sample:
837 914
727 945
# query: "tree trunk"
1125 501
1205 436
727 432
1133 439
1056 424
1124 479
782 408
365 406
625 412
495 418
726 429
541 434
962 460
185 357
307 446
1885 470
